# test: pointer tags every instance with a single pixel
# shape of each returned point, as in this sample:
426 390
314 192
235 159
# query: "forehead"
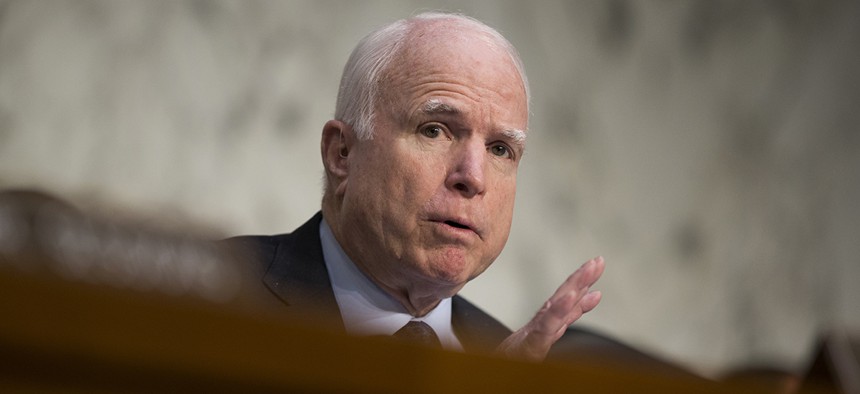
457 65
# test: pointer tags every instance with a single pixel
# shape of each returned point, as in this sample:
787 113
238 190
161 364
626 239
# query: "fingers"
590 300
552 316
567 313
569 302
582 279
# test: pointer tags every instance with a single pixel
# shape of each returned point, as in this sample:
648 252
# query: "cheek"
416 176
501 211
395 182
506 190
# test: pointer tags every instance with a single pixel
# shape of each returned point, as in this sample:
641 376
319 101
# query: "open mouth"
457 225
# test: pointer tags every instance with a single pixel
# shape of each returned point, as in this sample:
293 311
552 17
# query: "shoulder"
282 254
256 250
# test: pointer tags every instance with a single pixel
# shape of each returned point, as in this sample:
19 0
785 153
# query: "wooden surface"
58 335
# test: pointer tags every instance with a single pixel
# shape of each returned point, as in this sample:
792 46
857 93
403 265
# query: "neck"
416 305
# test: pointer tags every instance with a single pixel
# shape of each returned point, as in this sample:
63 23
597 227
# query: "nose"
466 175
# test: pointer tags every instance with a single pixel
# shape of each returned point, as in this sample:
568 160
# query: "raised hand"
572 299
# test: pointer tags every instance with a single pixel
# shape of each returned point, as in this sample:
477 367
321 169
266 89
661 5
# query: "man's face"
429 199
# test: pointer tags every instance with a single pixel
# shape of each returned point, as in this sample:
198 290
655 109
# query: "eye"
432 131
501 150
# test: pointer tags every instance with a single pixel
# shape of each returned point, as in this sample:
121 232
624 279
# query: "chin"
452 269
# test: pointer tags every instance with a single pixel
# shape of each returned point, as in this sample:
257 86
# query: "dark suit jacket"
293 269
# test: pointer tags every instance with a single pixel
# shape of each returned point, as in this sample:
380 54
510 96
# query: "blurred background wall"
708 149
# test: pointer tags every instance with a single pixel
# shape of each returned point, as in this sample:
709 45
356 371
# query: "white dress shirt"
368 310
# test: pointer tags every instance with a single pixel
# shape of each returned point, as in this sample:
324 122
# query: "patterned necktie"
420 333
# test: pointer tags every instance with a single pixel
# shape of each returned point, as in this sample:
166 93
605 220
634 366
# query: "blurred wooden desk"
64 336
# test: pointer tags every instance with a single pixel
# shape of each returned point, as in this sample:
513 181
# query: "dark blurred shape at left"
44 235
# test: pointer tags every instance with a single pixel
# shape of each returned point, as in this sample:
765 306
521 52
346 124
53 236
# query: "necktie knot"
420 333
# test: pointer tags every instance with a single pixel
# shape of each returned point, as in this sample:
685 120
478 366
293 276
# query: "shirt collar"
365 308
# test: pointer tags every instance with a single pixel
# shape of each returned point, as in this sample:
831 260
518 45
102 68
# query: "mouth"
457 224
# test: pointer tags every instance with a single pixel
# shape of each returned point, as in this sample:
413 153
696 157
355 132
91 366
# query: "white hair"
359 85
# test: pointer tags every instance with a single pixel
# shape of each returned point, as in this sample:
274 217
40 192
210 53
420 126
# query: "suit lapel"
298 276
476 330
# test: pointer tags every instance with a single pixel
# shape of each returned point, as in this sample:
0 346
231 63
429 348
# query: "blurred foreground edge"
91 305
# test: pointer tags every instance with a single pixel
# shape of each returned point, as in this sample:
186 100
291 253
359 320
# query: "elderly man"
421 166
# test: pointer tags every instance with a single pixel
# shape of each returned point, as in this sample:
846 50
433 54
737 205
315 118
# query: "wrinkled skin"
426 204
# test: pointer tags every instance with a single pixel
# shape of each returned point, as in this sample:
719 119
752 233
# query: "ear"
337 142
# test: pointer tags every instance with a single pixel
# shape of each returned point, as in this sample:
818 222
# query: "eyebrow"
516 135
435 106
